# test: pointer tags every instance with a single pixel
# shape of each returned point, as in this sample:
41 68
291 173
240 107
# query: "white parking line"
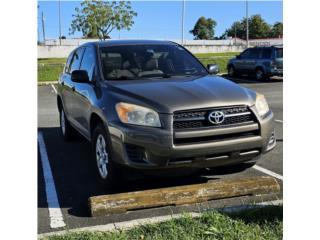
277 120
266 171
55 214
54 89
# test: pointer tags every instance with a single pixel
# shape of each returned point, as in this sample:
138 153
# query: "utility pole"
60 22
38 40
182 24
43 32
247 23
235 34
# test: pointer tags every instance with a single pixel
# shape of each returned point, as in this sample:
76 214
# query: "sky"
162 19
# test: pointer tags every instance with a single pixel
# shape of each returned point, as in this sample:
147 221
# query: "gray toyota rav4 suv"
152 106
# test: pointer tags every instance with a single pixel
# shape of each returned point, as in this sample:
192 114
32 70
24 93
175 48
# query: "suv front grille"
199 118
216 138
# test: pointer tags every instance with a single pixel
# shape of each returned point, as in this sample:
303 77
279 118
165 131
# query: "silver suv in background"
262 62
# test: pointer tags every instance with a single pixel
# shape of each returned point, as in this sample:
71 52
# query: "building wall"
63 51
52 49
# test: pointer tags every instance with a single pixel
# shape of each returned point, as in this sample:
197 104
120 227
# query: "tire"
67 131
231 71
260 75
107 172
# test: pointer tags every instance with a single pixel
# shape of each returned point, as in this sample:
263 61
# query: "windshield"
279 52
132 62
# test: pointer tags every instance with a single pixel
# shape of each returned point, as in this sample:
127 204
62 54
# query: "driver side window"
88 62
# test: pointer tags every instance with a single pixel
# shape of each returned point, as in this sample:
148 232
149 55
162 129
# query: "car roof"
106 43
272 46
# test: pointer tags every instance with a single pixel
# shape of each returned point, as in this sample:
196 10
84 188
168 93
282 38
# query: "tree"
204 28
237 29
277 30
258 28
97 19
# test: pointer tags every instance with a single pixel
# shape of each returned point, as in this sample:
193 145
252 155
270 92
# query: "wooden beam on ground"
187 194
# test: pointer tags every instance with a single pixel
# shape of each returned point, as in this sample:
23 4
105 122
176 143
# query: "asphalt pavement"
73 172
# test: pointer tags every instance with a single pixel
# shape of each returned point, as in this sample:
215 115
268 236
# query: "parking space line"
268 172
54 89
55 214
277 120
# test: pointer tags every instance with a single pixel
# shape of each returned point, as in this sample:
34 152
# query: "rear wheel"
68 132
107 173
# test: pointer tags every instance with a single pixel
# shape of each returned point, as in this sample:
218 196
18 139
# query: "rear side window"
88 62
76 60
254 53
266 53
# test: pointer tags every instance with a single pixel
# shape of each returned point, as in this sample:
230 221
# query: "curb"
119 226
47 83
189 194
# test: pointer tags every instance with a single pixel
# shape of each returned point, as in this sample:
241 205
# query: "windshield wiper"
122 78
165 75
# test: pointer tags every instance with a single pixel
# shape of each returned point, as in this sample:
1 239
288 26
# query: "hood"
168 95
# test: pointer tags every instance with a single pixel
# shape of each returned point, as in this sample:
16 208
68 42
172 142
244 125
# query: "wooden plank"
187 194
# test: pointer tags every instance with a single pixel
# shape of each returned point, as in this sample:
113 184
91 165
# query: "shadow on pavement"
75 178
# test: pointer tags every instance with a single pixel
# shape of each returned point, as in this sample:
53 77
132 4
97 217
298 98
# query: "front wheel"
231 71
107 172
260 76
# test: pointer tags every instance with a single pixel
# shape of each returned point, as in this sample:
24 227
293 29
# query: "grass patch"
49 72
52 60
219 54
49 69
221 59
264 223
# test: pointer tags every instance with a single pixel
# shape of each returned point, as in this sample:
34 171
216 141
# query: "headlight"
134 114
261 105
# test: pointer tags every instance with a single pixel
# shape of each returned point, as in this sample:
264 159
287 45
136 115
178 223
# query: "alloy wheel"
102 156
259 74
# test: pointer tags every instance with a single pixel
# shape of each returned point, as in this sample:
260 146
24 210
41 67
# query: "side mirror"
213 68
80 76
238 57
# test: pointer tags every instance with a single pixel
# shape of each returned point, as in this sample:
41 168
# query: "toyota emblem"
216 117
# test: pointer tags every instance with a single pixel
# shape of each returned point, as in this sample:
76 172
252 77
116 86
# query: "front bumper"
154 148
276 72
